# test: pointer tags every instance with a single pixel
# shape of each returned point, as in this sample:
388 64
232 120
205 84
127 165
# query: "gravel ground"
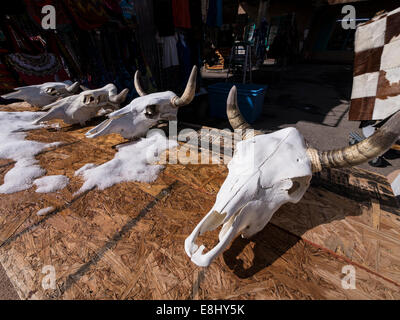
316 99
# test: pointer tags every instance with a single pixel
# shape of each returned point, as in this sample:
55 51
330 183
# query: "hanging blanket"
34 9
7 81
37 69
376 83
88 14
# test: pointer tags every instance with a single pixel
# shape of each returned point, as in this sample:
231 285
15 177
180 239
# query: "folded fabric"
170 52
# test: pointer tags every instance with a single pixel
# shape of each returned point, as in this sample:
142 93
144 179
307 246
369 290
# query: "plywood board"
127 241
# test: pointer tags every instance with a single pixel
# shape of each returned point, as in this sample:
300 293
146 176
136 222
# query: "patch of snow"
84 168
133 162
396 186
51 183
53 144
55 125
44 211
14 146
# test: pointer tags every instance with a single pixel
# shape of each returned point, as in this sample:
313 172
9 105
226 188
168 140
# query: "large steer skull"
84 106
43 94
146 111
269 170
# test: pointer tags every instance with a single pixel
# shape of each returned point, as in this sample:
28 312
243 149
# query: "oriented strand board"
127 242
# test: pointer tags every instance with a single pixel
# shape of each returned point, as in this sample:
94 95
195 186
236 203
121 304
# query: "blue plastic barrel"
250 99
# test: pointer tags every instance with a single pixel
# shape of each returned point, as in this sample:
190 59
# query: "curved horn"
138 87
234 115
119 98
73 88
189 93
365 150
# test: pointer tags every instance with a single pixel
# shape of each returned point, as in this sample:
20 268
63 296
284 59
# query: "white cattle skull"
146 111
84 106
269 170
43 94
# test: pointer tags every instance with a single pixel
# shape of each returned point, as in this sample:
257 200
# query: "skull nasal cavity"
294 188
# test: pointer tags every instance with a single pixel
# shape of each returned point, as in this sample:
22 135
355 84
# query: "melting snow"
43 211
14 146
133 162
51 183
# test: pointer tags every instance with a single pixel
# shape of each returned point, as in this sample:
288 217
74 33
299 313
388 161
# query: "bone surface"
135 119
44 94
268 171
145 112
265 172
84 106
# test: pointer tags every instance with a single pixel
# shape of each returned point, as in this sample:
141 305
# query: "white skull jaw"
135 119
84 106
43 94
265 172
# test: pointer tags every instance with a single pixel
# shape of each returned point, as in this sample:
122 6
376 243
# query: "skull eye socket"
88 99
51 91
151 111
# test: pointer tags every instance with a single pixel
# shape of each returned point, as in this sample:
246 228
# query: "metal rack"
240 62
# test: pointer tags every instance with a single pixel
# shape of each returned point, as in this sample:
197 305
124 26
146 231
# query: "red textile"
34 9
88 14
181 13
7 81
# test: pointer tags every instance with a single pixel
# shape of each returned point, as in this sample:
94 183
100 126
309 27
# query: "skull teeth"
210 222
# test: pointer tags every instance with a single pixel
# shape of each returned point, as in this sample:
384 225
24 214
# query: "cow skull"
269 170
84 106
146 111
43 94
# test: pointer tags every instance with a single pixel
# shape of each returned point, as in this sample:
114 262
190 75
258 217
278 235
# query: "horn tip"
232 92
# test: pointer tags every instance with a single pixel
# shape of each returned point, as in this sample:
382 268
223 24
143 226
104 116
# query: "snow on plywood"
13 146
51 183
44 211
133 162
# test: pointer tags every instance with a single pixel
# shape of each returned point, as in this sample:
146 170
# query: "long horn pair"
176 101
368 149
119 98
